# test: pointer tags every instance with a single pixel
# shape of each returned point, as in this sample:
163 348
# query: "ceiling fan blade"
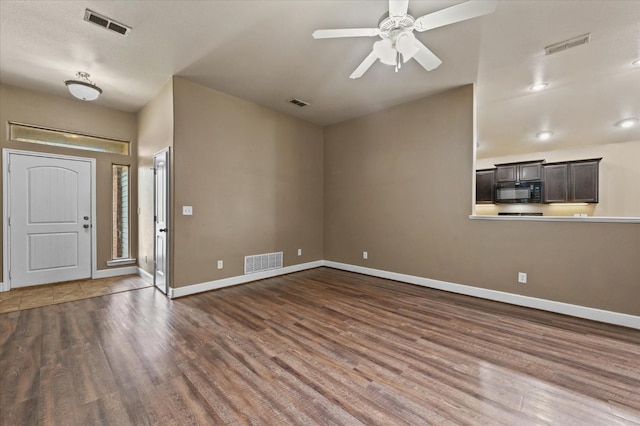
364 66
398 7
426 57
453 14
346 32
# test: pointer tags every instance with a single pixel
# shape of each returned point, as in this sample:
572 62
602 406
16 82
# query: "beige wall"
398 184
619 177
254 178
155 132
25 106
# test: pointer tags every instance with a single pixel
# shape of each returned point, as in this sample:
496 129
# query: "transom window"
52 137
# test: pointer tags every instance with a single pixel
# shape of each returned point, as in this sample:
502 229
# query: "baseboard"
241 279
4 287
145 275
578 311
600 315
115 272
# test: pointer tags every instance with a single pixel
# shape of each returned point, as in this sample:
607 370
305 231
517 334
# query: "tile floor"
50 294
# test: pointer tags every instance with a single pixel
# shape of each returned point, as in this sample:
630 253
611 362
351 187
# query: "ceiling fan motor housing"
394 25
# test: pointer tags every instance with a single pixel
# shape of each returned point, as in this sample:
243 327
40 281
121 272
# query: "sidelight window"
120 212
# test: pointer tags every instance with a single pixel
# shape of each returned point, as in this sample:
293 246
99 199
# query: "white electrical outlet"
522 277
187 210
365 255
220 264
299 252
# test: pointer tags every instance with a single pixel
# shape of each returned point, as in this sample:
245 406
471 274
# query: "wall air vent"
104 22
262 262
567 44
298 102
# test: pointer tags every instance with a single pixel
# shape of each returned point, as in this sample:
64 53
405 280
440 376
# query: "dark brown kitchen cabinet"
527 172
485 180
556 183
583 181
519 172
507 173
571 182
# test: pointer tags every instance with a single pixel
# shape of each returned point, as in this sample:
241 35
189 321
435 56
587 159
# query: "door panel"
49 237
48 251
161 224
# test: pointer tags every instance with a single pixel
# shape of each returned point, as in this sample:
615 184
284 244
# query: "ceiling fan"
398 43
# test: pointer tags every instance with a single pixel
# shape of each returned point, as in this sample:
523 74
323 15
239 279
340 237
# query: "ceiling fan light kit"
399 43
83 88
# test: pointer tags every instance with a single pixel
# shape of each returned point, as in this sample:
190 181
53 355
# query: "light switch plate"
220 264
187 210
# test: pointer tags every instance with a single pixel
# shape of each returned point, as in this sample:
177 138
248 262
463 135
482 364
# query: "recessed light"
538 87
543 136
627 123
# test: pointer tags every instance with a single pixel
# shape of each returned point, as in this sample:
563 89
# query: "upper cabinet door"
583 181
556 189
530 172
485 186
506 173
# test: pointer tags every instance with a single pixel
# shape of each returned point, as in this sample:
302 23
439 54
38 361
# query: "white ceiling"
262 51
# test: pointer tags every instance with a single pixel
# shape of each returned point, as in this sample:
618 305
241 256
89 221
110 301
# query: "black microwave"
519 192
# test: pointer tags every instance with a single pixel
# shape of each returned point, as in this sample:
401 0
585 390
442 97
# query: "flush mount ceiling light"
83 88
636 62
538 87
543 136
627 123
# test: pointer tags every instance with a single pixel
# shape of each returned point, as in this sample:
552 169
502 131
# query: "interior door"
161 222
49 215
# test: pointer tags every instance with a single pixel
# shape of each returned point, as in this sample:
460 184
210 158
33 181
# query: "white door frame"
6 247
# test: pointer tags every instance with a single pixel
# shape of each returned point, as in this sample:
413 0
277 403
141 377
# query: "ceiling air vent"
567 44
104 22
298 102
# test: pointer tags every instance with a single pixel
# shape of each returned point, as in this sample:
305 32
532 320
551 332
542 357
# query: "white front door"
49 212
161 222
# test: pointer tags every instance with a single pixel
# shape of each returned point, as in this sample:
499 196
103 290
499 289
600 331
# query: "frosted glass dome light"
83 88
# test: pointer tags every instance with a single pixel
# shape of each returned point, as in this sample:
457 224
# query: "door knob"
162 230
85 226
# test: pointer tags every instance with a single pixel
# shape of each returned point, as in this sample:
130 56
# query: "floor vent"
567 44
104 22
262 262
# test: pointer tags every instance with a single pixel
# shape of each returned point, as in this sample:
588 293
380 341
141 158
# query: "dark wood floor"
316 347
